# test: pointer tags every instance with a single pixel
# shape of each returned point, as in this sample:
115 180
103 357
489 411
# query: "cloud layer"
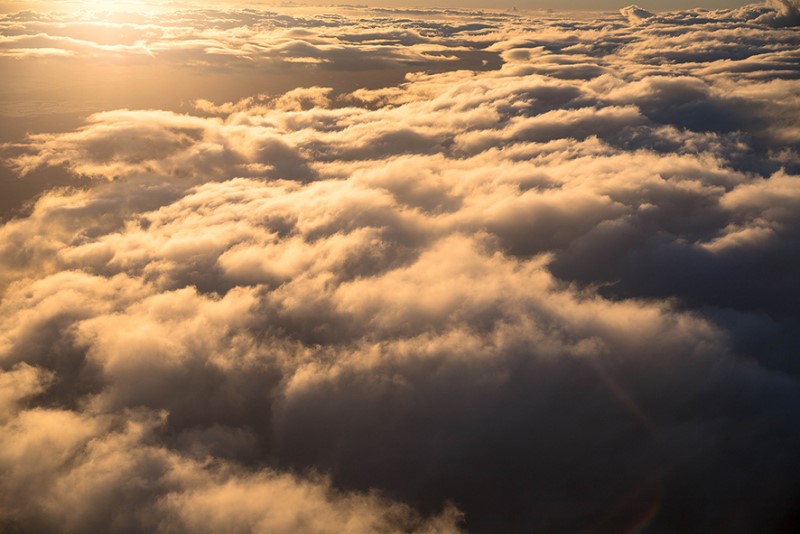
550 292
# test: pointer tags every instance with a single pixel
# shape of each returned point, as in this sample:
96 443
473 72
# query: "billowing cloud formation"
237 38
553 296
787 12
635 13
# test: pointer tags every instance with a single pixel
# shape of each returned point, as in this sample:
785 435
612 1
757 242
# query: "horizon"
531 5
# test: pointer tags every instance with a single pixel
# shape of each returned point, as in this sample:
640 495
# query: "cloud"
553 293
21 382
235 39
787 13
98 472
635 13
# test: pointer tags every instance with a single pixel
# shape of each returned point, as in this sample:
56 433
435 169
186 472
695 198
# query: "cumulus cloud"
635 13
99 472
552 292
787 13
236 38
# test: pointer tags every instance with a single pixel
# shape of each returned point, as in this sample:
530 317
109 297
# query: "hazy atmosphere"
384 269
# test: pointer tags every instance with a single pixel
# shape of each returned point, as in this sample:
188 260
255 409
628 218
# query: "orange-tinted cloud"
546 296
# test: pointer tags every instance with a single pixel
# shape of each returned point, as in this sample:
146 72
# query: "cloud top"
549 292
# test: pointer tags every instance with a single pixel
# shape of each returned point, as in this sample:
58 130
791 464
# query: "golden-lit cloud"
539 276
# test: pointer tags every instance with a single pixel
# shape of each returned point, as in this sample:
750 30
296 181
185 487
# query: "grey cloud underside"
554 295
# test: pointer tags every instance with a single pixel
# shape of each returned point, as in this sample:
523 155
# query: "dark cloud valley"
453 271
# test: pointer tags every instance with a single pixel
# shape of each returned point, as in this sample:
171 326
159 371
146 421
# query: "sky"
552 4
594 5
361 269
